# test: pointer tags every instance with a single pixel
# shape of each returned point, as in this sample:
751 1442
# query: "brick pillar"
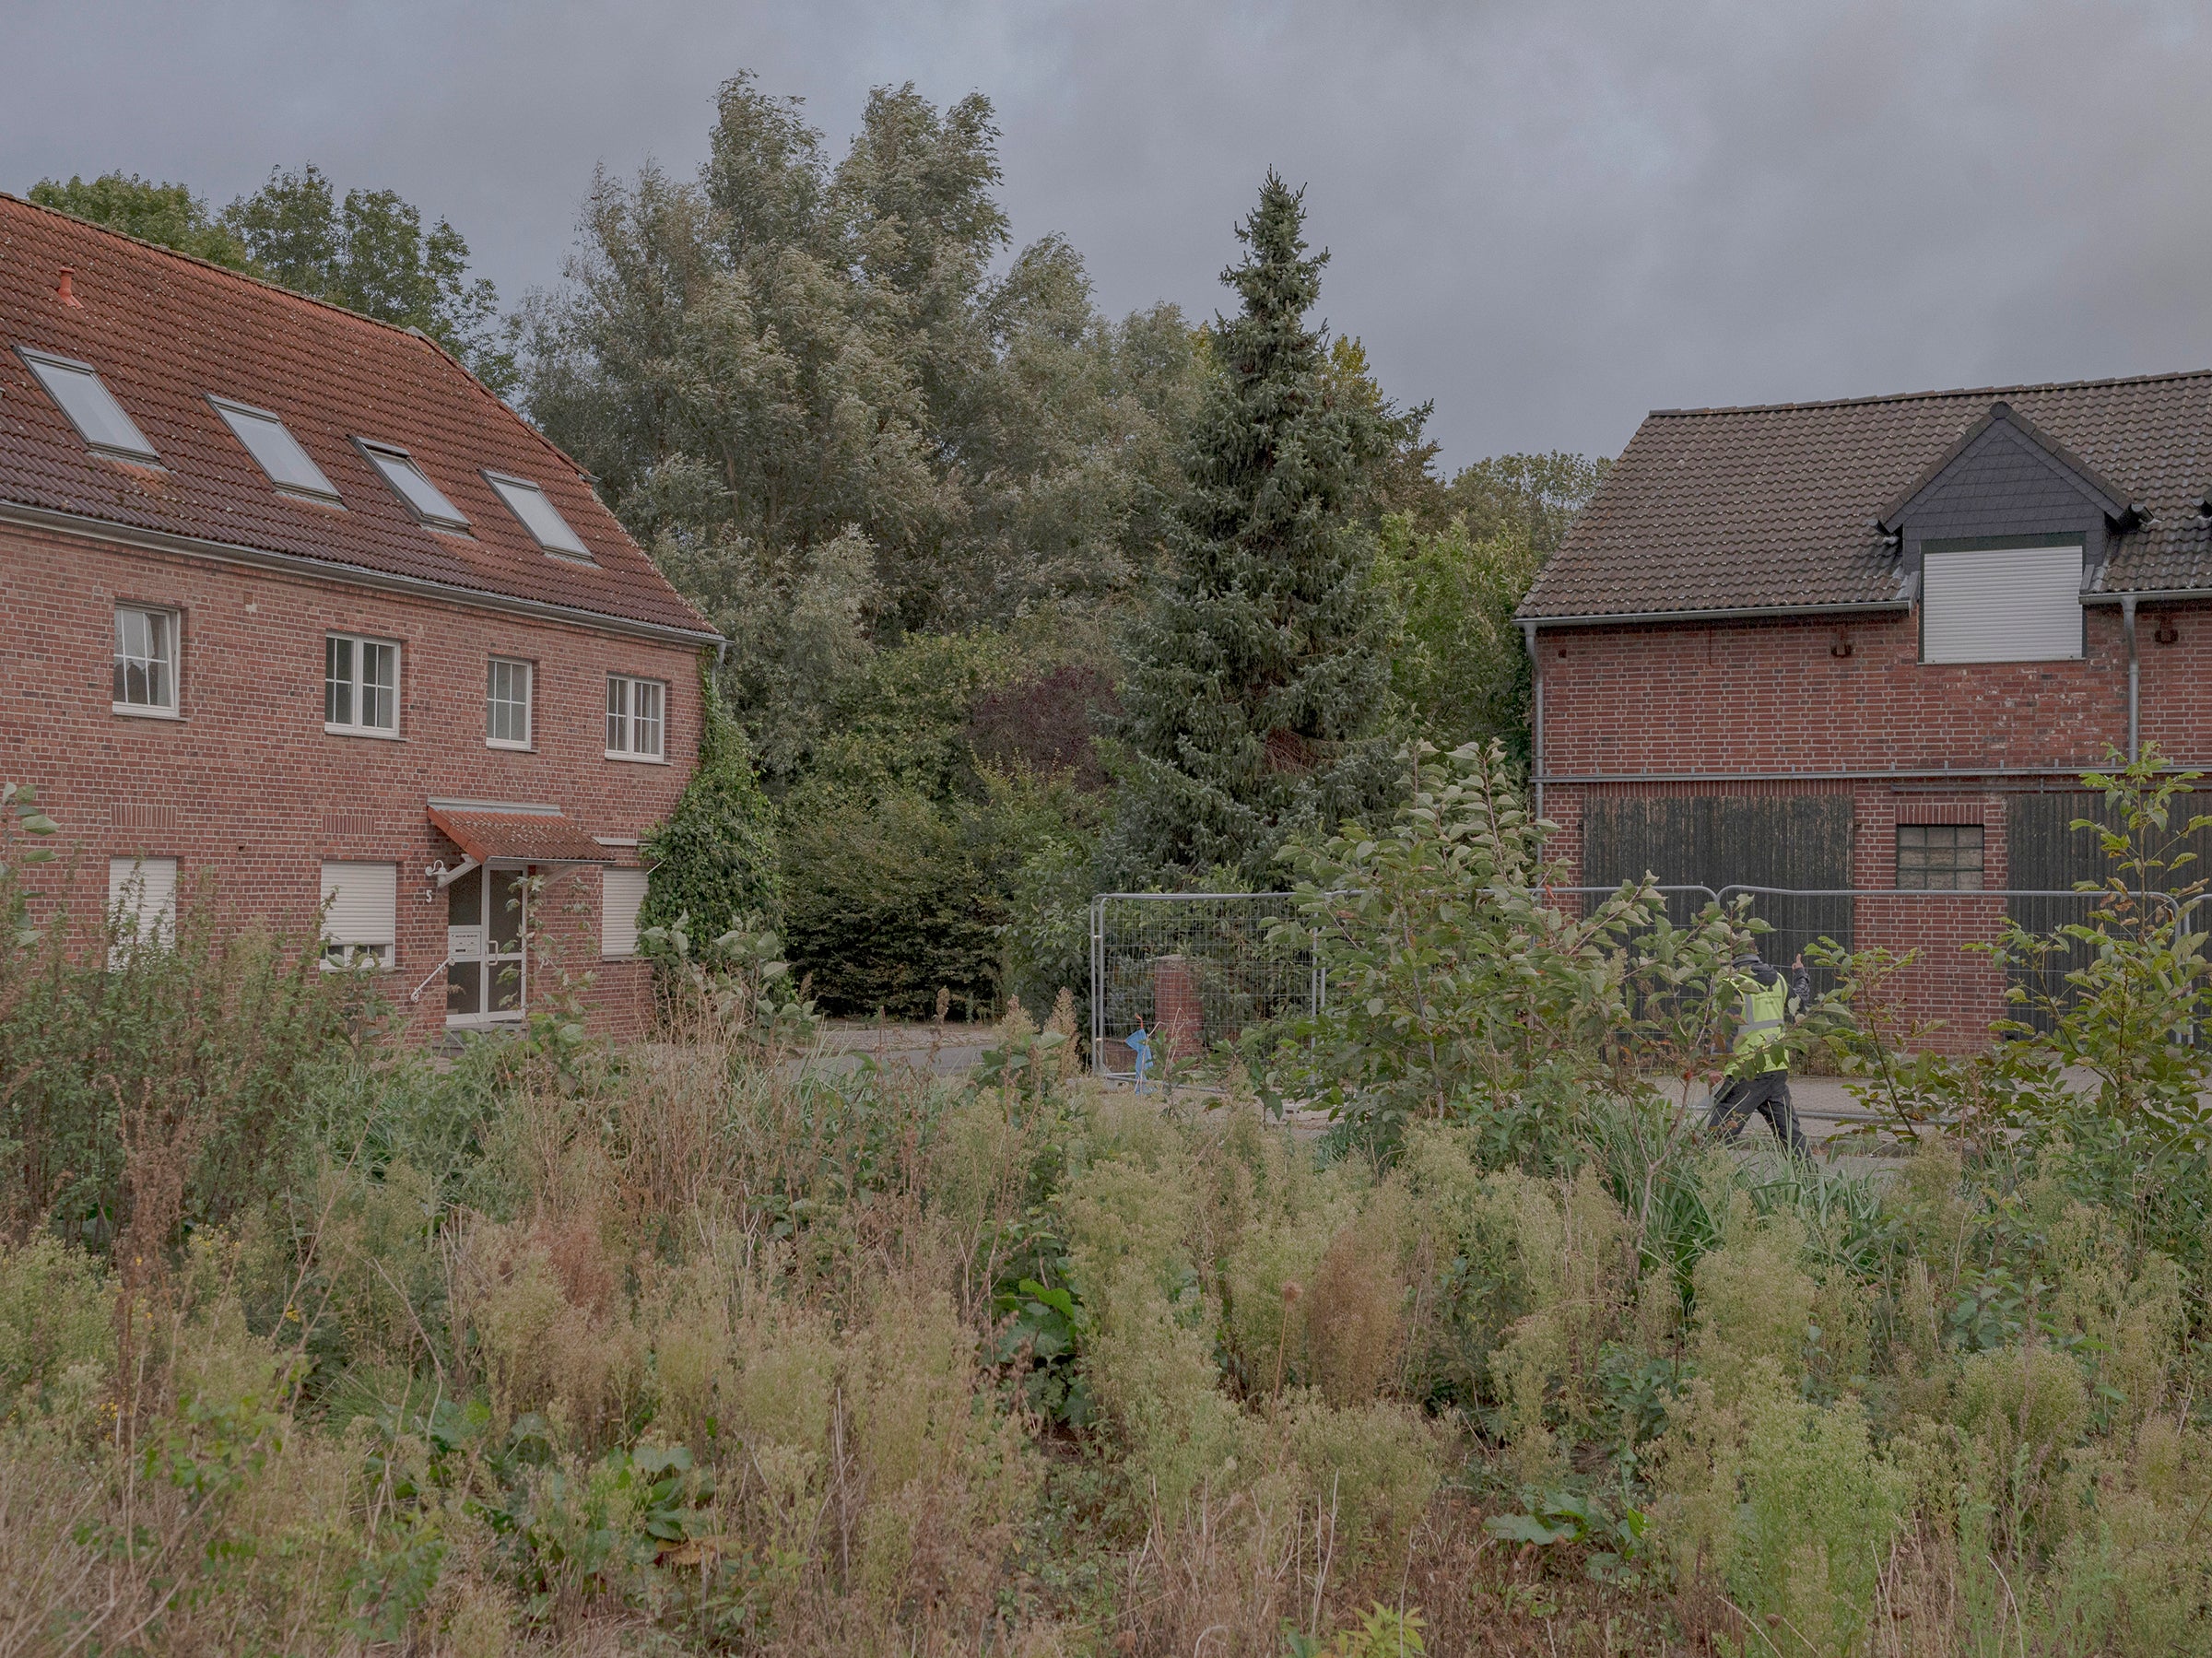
1174 1009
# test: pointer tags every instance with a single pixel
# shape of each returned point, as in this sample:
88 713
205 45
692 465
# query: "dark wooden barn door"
1799 842
2045 853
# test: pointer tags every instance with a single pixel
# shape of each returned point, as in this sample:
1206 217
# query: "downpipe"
1535 718
2134 678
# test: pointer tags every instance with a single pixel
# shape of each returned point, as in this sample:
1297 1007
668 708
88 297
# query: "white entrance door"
486 925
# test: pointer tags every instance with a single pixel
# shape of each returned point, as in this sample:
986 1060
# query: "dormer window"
534 508
91 407
413 486
276 450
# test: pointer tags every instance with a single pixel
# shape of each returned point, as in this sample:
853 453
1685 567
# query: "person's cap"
1744 957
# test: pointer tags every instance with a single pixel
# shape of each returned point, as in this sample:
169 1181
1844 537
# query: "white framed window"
361 685
2001 604
413 486
361 914
146 660
621 896
535 509
636 718
91 407
507 704
142 902
274 450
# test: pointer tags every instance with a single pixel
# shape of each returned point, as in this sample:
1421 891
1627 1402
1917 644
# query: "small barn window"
1939 857
2004 604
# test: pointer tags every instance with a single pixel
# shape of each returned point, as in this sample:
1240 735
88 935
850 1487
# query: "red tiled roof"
527 837
166 331
1757 508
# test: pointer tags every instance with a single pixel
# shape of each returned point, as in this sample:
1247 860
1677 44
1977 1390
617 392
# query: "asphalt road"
1824 1108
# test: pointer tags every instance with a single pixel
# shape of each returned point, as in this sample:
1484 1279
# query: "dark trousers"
1766 1092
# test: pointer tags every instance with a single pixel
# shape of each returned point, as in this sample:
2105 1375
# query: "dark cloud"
1547 217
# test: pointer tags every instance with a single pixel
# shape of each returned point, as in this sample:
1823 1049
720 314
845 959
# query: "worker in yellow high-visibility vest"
1758 1064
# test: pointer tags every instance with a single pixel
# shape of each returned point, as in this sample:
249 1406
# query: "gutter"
2151 596
1742 612
295 564
1945 774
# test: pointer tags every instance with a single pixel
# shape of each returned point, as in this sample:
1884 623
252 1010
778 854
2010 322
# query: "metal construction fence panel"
1197 968
1951 982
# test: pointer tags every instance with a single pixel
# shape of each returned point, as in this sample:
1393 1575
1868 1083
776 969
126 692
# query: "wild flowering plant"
1461 985
2134 981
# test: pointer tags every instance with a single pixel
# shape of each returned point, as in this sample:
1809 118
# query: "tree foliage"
1256 677
371 253
787 352
169 215
1459 669
1533 498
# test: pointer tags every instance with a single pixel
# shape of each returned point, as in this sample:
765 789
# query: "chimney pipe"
61 287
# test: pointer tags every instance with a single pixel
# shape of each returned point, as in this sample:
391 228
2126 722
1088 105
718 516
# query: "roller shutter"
621 896
146 888
361 911
2020 603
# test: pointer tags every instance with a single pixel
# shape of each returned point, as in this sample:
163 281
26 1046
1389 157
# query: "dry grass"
735 1361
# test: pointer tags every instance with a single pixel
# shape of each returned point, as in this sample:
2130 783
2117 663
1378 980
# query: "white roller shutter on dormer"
2010 604
363 900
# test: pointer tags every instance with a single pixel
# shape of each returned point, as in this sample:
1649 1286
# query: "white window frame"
124 441
349 942
171 621
355 728
625 722
619 931
529 673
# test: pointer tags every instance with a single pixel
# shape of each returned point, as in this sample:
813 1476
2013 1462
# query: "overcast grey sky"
1547 217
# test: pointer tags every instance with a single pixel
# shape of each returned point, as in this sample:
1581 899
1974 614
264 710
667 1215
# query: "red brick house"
1872 644
300 615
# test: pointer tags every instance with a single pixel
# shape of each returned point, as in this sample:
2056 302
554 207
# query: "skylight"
413 486
91 407
266 439
539 515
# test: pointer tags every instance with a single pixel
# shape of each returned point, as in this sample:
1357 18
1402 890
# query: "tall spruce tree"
1256 678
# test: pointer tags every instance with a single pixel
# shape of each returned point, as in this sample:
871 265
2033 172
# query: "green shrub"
716 859
160 1084
1754 1302
886 904
1820 1509
57 1309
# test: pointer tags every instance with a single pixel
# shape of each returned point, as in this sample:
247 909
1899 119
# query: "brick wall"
250 793
1749 702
